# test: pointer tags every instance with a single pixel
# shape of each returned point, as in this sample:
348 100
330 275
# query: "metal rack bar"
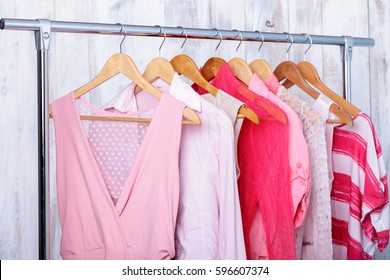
44 28
195 33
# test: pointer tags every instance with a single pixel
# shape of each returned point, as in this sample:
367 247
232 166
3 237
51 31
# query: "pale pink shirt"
321 106
209 224
299 159
272 83
231 106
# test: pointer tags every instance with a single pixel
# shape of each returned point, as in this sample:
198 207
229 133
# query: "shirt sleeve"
375 212
231 237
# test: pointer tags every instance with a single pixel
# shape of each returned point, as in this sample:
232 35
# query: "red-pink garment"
360 191
264 184
141 225
299 159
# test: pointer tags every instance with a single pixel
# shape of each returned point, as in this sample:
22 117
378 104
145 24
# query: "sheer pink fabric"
264 184
141 224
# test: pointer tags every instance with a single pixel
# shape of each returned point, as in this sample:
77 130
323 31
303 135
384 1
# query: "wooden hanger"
289 70
184 65
158 67
121 63
260 66
310 74
241 70
211 67
210 74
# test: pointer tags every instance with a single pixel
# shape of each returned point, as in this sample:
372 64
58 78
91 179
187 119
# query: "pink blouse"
264 184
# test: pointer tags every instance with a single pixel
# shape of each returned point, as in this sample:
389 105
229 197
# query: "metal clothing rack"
43 29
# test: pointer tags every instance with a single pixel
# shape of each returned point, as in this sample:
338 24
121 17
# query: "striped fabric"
360 199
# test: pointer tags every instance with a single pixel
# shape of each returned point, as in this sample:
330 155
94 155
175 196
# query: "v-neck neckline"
124 196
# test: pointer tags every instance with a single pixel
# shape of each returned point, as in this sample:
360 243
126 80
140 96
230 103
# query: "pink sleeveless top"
111 207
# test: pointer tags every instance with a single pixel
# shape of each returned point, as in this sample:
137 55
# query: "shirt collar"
322 106
185 93
226 74
125 101
226 96
272 83
256 85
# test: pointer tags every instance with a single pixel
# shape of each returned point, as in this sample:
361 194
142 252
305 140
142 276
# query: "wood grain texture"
68 68
347 18
267 16
379 24
187 14
304 20
18 199
76 58
228 15
18 136
141 49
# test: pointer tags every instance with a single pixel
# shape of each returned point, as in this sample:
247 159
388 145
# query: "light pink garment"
141 224
299 160
209 224
272 83
314 238
230 106
321 106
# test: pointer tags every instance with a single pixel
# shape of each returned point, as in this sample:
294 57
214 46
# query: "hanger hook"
311 43
289 48
185 40
124 37
165 37
238 34
220 39
262 42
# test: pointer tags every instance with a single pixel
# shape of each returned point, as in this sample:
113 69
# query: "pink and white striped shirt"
360 200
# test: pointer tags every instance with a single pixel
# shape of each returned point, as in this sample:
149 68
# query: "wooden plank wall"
74 59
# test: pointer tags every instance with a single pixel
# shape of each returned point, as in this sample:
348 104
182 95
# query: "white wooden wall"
74 59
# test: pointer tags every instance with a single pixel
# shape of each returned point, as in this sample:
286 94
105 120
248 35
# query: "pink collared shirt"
272 83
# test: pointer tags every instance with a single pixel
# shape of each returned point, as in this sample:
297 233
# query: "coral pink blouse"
264 184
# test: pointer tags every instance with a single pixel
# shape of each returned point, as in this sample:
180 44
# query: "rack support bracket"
43 35
347 48
346 57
